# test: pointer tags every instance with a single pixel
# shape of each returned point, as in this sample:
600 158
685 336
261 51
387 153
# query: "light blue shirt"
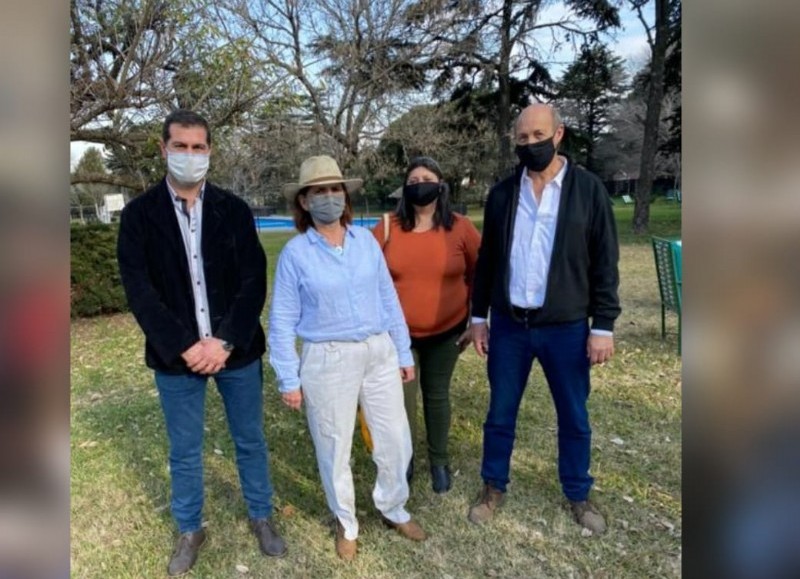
323 294
191 223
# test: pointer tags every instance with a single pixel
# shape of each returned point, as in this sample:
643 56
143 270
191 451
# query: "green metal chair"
669 265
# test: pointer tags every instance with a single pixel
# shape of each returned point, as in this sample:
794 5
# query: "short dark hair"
444 212
185 118
302 218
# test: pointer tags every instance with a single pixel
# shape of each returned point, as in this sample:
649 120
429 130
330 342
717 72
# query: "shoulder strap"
386 229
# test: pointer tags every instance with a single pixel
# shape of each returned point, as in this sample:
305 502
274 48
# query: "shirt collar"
177 199
557 180
315 236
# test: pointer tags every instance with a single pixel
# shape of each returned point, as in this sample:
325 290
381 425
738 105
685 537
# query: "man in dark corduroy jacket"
547 269
194 274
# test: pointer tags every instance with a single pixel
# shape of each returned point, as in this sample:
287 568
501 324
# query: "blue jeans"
183 402
561 351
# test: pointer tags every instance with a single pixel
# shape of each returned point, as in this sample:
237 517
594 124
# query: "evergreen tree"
586 93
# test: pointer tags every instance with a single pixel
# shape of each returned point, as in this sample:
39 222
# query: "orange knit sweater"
432 272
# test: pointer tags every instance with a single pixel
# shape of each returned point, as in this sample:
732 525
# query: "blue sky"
629 41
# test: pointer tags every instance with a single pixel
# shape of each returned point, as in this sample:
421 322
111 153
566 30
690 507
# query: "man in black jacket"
194 274
547 265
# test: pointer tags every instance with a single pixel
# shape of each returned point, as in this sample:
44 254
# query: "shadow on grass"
135 425
640 467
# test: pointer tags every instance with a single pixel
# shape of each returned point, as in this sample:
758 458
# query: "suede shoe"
345 548
270 542
185 554
440 478
410 530
489 500
588 517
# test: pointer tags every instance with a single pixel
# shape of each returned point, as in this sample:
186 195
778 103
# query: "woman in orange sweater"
431 253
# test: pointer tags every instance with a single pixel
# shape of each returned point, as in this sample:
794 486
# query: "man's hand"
407 373
293 399
206 356
599 349
464 340
194 356
215 355
480 338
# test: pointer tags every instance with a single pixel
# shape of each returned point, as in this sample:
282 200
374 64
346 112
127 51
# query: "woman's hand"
293 399
407 374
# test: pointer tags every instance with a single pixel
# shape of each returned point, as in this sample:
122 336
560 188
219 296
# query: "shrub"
95 285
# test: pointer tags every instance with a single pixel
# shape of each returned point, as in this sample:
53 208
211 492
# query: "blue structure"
283 223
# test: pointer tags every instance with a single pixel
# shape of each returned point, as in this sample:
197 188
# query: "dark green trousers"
435 359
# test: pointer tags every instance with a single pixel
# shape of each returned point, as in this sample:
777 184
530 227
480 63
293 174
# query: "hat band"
327 179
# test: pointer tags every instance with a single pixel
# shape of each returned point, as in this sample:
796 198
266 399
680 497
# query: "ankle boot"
440 478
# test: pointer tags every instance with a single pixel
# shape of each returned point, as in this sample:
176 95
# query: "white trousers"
336 377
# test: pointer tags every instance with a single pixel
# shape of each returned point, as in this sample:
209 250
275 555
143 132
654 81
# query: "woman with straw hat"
333 290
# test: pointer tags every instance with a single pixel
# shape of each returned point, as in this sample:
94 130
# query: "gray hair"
556 117
557 121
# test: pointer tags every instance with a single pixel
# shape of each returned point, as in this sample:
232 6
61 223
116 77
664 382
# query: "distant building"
111 208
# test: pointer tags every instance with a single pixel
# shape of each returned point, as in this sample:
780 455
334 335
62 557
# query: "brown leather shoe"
345 548
588 517
185 554
489 500
410 530
270 542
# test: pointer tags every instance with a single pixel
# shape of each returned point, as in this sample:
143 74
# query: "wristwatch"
227 346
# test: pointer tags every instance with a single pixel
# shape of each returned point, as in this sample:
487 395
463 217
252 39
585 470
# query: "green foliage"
91 162
88 194
95 285
141 164
588 90
457 134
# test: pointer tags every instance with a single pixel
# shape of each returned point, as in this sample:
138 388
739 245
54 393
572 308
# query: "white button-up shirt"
191 224
532 242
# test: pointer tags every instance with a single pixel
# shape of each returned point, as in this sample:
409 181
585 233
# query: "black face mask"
422 193
536 156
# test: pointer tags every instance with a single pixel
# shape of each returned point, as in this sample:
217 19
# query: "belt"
529 317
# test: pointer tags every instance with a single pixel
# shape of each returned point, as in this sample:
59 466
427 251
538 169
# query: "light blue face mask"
326 208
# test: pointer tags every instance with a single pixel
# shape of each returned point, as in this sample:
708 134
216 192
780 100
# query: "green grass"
665 221
121 525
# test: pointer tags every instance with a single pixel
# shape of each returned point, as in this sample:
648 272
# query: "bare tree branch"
106 179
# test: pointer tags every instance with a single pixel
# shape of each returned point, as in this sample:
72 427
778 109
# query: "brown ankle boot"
588 517
185 553
410 530
489 500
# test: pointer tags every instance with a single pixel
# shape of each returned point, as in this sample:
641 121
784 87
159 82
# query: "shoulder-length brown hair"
302 218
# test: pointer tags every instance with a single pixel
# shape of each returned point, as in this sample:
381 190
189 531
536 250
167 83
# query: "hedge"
95 285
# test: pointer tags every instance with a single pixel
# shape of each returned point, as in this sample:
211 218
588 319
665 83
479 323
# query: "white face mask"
187 168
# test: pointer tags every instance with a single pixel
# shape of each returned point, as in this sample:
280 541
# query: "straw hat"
320 170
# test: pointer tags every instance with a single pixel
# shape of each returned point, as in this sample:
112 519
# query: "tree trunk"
504 112
590 134
655 95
